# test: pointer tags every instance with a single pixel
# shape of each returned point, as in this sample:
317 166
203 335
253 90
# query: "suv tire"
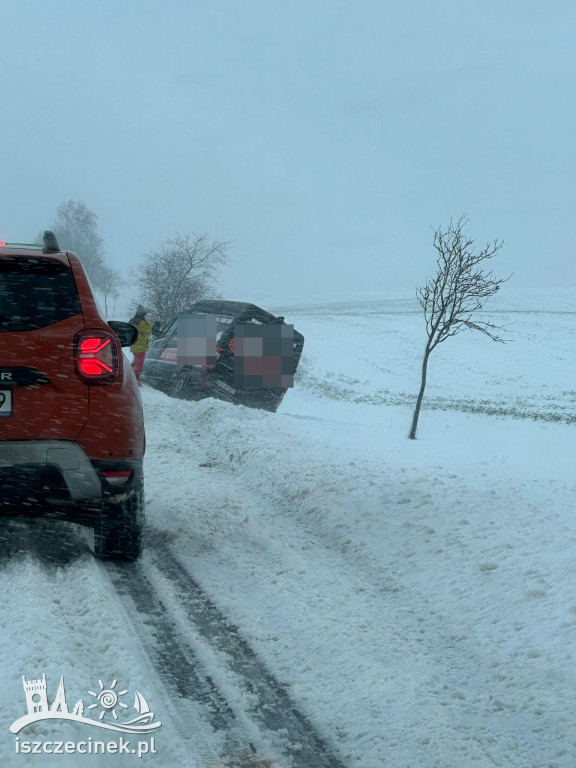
184 389
118 532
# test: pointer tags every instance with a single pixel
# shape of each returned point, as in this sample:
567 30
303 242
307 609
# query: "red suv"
71 427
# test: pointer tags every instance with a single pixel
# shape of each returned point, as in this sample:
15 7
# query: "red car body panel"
55 410
104 419
122 436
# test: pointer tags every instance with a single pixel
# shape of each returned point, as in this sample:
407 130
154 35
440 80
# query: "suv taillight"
97 357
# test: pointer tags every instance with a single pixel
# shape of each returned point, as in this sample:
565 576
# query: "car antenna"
50 241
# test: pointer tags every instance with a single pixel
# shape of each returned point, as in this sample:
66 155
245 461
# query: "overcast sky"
322 138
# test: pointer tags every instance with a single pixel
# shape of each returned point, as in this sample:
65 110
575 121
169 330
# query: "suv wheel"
184 389
118 532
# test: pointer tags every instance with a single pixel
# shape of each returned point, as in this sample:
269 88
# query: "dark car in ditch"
229 350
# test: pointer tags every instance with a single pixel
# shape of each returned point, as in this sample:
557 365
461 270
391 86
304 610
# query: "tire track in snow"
273 711
176 664
179 668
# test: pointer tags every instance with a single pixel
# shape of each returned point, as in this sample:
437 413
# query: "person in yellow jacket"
140 346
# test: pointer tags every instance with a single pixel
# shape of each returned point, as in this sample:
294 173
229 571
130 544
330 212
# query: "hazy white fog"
323 137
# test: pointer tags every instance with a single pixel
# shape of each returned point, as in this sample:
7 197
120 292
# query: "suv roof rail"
50 241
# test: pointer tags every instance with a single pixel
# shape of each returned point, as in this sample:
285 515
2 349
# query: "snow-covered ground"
416 598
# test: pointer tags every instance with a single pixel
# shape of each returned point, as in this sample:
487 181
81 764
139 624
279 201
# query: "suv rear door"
41 397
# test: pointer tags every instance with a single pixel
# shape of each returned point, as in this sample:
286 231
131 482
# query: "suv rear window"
35 293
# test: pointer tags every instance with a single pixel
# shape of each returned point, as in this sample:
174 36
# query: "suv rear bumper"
76 470
56 479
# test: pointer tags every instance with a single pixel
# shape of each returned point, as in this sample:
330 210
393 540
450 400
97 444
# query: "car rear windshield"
35 293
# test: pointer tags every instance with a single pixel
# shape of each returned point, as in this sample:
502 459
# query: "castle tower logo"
35 691
108 703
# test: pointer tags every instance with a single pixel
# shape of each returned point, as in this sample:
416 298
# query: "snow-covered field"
416 599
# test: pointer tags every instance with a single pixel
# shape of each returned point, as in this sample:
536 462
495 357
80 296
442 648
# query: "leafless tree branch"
182 271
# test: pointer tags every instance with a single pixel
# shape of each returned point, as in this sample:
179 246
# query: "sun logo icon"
108 699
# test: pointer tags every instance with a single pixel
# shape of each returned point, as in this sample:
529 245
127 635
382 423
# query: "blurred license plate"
227 387
5 402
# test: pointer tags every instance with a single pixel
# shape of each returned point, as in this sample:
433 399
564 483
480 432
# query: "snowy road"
171 629
185 620
318 591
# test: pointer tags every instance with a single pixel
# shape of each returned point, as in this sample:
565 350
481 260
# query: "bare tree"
76 228
182 271
458 290
110 284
